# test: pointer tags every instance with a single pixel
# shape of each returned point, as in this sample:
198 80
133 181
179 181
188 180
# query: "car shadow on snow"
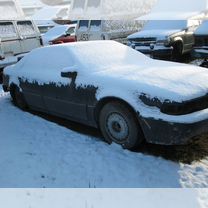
195 151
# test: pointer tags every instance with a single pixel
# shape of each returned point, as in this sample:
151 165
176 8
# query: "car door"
61 96
30 37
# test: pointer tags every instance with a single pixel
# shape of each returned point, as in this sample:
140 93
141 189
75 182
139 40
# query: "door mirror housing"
70 73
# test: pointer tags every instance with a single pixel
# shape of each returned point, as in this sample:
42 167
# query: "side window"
26 28
95 25
83 25
7 30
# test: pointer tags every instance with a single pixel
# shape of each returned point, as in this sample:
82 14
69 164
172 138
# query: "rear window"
7 30
26 28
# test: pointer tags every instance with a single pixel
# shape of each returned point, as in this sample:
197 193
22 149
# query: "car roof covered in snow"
93 55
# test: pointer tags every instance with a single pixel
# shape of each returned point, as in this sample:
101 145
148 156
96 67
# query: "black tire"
18 98
1 75
119 124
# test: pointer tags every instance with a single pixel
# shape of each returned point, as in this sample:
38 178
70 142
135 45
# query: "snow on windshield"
165 24
57 31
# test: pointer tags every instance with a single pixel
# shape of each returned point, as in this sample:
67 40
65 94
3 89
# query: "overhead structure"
10 10
56 2
177 10
105 9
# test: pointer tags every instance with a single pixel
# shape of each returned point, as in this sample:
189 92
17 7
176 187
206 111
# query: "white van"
17 38
105 30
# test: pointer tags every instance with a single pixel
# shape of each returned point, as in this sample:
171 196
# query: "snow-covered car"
58 32
165 38
129 96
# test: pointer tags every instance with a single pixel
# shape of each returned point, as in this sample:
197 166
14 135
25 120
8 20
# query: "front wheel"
18 98
119 124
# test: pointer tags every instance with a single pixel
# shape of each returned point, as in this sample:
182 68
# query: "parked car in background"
88 30
68 37
17 39
60 34
126 94
201 43
165 38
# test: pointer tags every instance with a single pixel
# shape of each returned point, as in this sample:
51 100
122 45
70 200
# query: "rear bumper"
167 133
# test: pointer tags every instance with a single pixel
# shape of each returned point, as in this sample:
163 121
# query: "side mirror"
69 74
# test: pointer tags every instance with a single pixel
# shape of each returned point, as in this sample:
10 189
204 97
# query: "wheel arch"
102 102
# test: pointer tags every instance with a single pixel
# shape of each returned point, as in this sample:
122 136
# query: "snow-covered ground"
37 153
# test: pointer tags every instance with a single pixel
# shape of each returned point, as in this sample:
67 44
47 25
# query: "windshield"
166 24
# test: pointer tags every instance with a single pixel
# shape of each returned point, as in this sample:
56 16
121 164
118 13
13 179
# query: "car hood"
164 80
158 34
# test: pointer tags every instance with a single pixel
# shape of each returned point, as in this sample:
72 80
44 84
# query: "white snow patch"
37 153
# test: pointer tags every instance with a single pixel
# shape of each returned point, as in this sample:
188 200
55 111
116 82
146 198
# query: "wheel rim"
117 127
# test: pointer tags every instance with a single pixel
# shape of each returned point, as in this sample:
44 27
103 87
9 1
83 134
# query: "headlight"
175 108
165 42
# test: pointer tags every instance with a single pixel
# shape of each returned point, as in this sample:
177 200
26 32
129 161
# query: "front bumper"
157 51
168 133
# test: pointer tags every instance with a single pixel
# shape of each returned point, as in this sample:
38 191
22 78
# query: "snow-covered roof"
202 29
51 13
176 10
10 10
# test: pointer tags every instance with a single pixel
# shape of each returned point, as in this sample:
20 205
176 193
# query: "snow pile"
37 153
102 198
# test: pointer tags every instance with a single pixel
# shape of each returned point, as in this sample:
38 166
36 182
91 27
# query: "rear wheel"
119 124
18 98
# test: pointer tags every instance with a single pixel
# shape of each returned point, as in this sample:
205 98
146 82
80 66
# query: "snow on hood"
159 34
127 69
